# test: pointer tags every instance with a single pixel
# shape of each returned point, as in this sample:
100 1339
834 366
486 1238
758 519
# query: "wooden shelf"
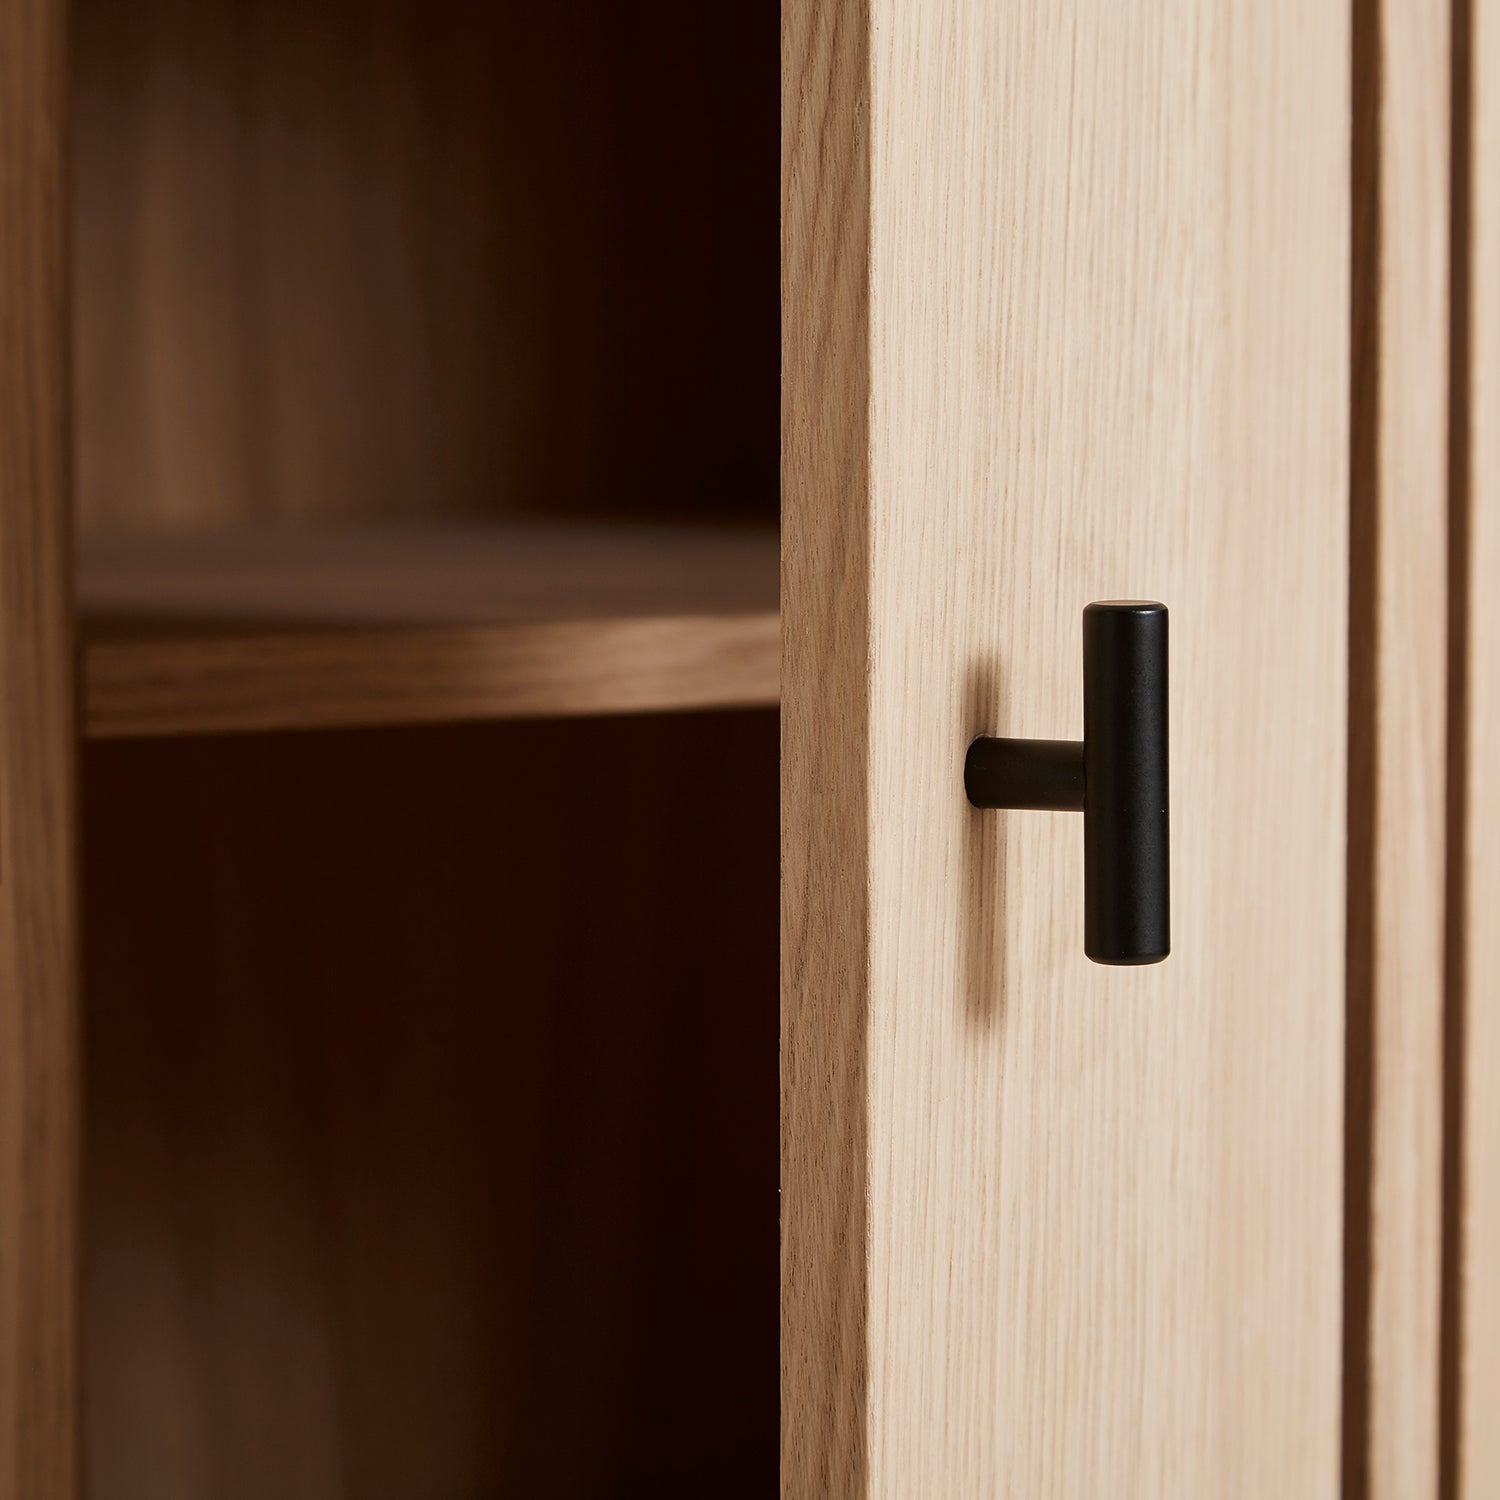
273 629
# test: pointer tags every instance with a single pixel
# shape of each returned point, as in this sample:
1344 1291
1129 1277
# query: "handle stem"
1040 775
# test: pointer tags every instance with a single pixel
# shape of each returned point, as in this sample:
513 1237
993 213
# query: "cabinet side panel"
37 906
1109 351
824 743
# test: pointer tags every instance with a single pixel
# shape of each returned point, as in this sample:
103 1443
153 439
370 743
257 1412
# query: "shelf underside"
189 634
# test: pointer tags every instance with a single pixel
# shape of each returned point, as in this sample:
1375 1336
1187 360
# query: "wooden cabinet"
393 621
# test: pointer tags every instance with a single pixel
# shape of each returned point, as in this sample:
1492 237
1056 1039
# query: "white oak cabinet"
1184 304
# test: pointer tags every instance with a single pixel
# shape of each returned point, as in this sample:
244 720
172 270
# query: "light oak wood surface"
1478 1260
38 908
283 629
1398 633
1053 1230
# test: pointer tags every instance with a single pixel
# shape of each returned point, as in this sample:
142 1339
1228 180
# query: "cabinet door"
1065 294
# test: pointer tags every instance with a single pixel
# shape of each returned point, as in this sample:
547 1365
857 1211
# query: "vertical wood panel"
825 728
1398 723
1109 335
1108 283
37 905
1478 1258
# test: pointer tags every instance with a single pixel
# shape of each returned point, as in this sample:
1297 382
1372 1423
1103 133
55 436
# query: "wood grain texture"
271 630
375 258
1107 274
430 1118
1479 1220
37 822
1398 748
825 744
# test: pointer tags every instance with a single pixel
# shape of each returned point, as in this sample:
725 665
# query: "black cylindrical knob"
1126 899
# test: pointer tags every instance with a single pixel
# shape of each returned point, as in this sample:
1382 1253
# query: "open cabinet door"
1065 302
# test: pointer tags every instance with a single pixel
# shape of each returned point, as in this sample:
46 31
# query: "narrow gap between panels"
1460 287
1364 543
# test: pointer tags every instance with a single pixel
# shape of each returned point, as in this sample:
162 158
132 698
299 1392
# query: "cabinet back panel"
430 1126
397 258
